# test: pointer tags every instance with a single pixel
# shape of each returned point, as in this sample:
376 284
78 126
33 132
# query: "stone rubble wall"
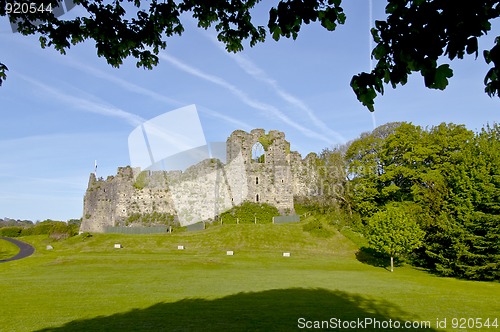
206 189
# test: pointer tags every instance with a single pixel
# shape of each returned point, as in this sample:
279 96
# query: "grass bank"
7 249
86 284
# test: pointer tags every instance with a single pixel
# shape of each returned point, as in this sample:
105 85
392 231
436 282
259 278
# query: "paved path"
25 250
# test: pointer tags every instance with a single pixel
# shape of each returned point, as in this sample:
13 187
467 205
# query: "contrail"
132 87
257 73
87 105
256 104
260 75
135 88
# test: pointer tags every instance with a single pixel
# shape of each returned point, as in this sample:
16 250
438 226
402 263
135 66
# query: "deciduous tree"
452 176
394 232
416 36
365 166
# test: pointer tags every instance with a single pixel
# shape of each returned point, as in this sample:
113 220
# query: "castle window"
258 153
257 197
257 180
282 180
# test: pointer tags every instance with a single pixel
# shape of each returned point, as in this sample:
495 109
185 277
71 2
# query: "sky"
61 113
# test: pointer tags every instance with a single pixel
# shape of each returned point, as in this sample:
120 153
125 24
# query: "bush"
142 180
11 231
61 230
85 235
43 228
55 229
247 212
27 231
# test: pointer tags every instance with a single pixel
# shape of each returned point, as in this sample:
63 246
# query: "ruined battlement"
259 168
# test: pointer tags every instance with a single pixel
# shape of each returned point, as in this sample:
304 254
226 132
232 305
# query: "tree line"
430 193
56 230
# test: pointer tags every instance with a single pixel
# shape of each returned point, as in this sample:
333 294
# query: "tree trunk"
392 264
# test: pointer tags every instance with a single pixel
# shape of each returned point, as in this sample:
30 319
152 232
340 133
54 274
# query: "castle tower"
267 165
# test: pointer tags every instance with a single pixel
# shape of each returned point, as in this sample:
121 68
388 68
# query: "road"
25 250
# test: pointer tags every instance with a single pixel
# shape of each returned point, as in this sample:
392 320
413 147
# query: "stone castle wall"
110 202
206 189
269 179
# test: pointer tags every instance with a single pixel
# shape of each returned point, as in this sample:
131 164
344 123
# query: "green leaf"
276 33
328 18
379 51
441 76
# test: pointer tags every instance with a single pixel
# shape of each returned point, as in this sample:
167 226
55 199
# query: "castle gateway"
259 167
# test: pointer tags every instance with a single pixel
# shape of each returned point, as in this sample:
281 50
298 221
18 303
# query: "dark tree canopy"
417 34
414 38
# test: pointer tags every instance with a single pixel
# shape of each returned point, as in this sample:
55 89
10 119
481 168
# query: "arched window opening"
257 197
258 153
257 180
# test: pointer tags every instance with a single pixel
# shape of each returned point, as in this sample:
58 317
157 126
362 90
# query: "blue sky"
60 113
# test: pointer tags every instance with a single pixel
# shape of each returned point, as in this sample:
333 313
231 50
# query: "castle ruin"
259 168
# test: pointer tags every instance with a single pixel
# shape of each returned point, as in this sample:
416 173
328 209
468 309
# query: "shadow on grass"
271 310
371 257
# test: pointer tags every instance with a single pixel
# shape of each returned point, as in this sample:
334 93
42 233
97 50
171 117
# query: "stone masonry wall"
205 189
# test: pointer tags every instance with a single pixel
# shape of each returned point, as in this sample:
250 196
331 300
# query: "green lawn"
149 285
7 249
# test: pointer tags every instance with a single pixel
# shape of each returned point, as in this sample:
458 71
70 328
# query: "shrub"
61 230
85 235
43 228
27 231
11 231
141 181
247 212
55 229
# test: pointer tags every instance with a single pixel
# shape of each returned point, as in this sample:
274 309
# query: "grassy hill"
86 284
7 249
244 237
